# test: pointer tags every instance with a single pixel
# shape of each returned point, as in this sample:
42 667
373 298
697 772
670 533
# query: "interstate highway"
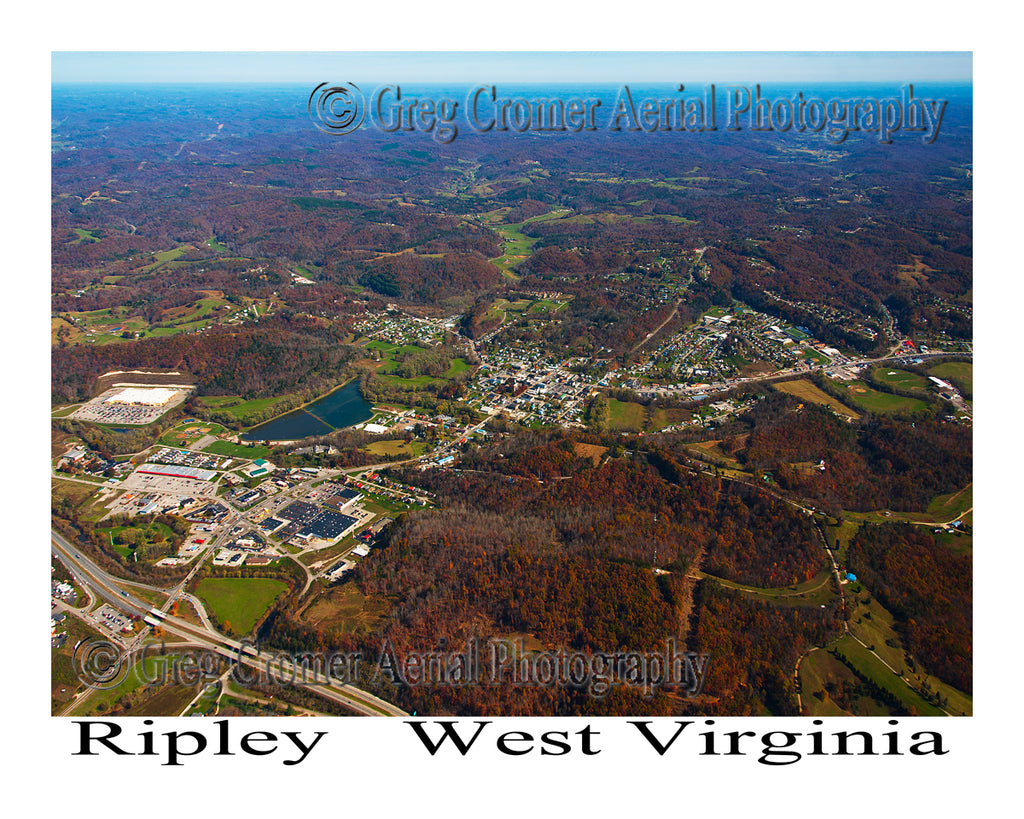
105 587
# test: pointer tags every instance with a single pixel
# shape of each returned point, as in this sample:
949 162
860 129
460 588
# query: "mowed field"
901 378
871 400
963 371
239 409
239 601
806 391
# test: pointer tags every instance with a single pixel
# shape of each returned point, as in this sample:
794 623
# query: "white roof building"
149 396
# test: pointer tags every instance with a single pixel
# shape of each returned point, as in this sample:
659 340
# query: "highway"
105 587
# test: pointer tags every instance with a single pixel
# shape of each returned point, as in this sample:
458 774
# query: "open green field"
901 378
184 435
546 305
962 371
84 237
947 507
457 365
238 408
389 354
389 351
806 391
626 416
417 381
865 398
873 625
63 412
232 450
667 417
518 306
843 533
516 245
816 670
239 601
873 669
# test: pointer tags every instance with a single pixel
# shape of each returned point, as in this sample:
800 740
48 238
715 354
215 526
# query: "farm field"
806 391
399 447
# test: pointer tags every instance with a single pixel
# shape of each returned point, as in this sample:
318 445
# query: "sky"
486 67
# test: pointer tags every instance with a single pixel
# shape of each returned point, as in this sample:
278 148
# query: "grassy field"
239 601
345 608
806 391
713 450
947 507
626 416
545 305
65 411
843 533
667 417
457 365
398 447
416 381
84 237
516 246
873 669
76 493
871 400
153 533
818 668
872 623
237 408
963 371
183 435
901 378
233 450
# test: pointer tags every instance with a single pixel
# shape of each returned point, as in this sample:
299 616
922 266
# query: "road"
105 586
658 329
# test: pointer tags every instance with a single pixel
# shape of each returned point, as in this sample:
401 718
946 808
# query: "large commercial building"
147 396
176 471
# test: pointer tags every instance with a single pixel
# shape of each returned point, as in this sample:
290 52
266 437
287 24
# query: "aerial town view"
479 404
